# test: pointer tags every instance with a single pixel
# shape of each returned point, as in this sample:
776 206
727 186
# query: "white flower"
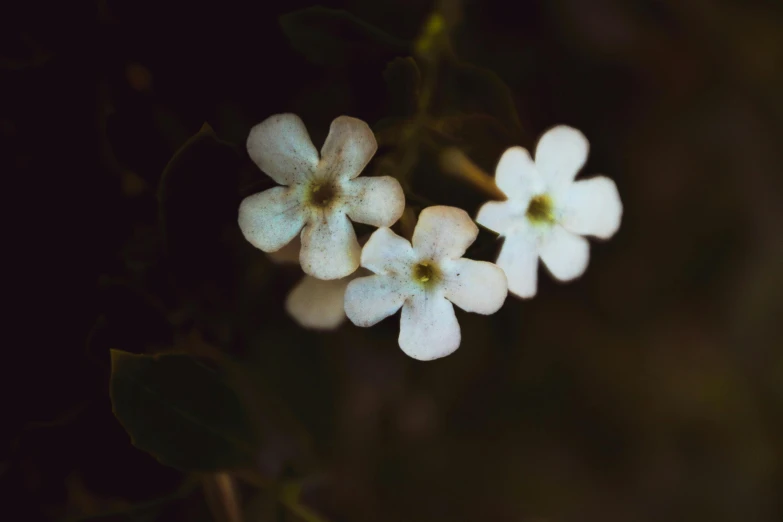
321 195
425 279
314 303
547 212
318 304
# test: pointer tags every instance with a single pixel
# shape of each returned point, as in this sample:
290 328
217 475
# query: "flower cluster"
309 218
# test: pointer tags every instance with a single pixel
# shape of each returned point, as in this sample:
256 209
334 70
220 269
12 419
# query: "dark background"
651 389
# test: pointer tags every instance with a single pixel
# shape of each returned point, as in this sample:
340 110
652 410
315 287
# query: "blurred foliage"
335 38
182 411
650 389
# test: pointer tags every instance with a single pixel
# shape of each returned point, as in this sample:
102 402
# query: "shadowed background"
650 389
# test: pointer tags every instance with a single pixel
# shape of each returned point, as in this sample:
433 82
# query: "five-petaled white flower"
320 196
547 212
425 279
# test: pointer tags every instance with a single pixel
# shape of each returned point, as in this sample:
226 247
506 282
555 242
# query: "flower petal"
593 207
329 247
369 300
565 254
516 175
348 149
317 304
475 286
270 219
560 154
387 253
443 233
375 201
519 260
281 147
428 327
497 215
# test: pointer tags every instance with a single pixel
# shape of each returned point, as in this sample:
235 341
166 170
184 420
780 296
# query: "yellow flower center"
541 210
322 194
425 273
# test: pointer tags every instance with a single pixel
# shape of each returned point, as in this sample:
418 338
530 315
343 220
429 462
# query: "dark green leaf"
198 193
469 89
131 319
481 137
335 38
198 204
402 77
290 497
155 510
181 411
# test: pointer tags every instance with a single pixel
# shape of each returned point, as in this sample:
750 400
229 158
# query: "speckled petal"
375 201
443 233
428 327
560 154
387 253
269 220
516 175
519 260
371 299
593 207
318 304
348 149
281 147
329 246
565 254
474 286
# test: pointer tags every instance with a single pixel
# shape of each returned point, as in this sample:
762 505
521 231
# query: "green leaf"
481 137
197 190
336 38
469 89
403 78
181 411
198 199
131 319
290 497
151 511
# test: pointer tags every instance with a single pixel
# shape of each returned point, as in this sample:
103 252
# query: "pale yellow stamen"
425 273
541 210
322 194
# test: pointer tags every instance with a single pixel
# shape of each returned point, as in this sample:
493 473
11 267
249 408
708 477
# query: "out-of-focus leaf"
131 319
290 497
198 193
433 39
402 77
181 411
391 131
468 89
336 38
481 137
198 204
151 511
